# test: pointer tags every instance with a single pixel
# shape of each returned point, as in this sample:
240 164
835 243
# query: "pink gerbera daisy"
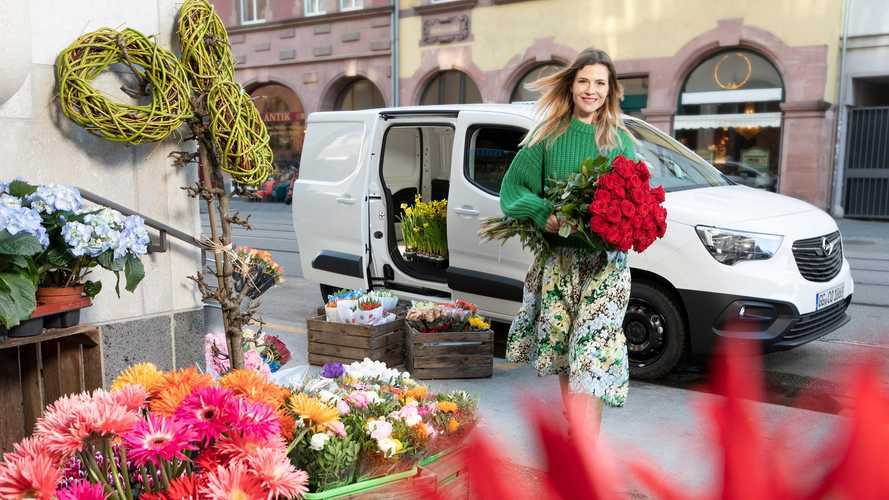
132 397
257 419
277 475
60 426
233 482
83 490
209 411
29 475
156 438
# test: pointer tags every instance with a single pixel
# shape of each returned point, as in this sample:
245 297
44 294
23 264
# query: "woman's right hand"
552 223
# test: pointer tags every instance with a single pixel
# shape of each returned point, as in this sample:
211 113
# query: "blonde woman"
574 298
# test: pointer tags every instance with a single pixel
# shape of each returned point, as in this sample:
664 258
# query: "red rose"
626 243
640 196
659 194
602 194
613 214
599 207
598 225
634 182
613 182
642 171
643 209
628 209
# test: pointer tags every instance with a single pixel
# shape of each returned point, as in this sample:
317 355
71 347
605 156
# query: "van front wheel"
654 331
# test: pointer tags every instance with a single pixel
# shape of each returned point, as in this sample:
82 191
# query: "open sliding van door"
412 150
486 273
329 198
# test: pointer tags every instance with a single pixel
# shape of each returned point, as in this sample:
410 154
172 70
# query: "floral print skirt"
571 320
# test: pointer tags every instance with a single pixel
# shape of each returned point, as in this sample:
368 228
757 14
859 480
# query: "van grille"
819 259
819 321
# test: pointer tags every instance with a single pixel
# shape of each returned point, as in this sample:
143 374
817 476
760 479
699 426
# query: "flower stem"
109 457
124 469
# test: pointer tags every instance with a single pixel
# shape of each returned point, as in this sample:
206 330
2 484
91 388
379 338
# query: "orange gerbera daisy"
453 425
318 414
419 392
176 386
143 374
254 385
447 406
288 425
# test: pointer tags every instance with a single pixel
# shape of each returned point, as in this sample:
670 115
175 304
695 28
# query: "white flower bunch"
104 230
375 370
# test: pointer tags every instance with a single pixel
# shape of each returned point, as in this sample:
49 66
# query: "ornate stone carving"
445 29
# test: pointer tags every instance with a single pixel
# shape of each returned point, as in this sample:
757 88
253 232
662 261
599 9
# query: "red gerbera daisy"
231 482
209 411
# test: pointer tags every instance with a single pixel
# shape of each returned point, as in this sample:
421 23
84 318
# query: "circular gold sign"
733 85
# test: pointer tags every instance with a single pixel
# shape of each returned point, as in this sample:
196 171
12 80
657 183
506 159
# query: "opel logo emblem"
828 247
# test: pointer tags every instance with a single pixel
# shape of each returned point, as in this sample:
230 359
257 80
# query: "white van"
735 260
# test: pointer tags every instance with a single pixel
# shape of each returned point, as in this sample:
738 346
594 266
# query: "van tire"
327 290
655 331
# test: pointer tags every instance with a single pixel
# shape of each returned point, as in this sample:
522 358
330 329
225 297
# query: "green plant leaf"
56 257
565 230
17 298
134 272
92 288
19 244
21 189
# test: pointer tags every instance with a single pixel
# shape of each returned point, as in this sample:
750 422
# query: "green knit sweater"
521 196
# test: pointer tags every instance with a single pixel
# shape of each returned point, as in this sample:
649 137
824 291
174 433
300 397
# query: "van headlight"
729 246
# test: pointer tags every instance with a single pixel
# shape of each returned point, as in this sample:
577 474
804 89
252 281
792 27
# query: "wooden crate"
451 478
449 354
331 342
35 371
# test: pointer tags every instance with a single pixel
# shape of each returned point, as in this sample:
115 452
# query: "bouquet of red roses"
612 206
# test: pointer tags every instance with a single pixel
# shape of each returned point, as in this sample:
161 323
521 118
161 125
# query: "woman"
574 298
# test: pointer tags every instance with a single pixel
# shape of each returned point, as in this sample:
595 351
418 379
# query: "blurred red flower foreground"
853 463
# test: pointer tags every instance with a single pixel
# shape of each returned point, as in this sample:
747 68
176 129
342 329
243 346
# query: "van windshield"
671 165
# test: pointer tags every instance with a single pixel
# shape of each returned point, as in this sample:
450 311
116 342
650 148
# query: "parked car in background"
746 175
735 262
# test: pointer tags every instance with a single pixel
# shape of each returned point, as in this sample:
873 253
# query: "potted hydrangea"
73 240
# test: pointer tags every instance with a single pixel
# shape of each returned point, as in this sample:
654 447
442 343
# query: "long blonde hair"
556 104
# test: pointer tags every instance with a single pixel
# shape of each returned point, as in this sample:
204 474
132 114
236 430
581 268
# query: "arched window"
283 114
522 94
359 94
451 87
729 113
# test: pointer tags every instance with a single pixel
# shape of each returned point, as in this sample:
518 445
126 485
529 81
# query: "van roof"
517 108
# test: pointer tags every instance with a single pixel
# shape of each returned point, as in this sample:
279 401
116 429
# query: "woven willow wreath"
240 136
206 53
167 84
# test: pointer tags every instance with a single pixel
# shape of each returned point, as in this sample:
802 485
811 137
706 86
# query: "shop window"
521 93
351 5
253 11
283 114
729 114
360 94
489 152
313 7
635 95
451 87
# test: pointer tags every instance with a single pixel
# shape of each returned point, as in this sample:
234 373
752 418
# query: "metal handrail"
163 229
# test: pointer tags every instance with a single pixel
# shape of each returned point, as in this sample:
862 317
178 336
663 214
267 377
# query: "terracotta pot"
54 295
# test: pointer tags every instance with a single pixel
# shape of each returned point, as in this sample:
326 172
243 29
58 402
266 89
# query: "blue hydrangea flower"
133 239
4 187
23 220
50 198
8 200
78 235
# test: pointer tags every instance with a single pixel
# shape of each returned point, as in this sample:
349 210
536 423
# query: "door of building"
867 163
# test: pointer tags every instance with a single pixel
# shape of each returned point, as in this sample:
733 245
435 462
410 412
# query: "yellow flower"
144 374
447 406
453 425
478 323
419 393
317 413
403 206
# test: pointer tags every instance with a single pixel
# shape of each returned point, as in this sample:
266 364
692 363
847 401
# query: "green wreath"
240 136
163 78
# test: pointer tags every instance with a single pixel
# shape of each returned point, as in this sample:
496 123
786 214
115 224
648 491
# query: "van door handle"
345 199
466 210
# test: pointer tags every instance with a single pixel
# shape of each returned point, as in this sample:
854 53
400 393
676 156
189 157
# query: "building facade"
862 176
750 86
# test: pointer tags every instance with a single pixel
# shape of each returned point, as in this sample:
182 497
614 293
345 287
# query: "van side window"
334 152
489 151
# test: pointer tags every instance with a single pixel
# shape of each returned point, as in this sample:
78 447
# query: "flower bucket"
362 317
389 303
59 295
361 486
330 314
